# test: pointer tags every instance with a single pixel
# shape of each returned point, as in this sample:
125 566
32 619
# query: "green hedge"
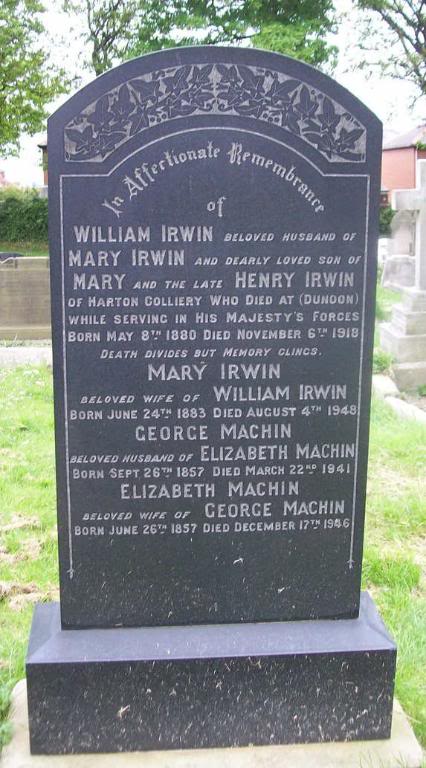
23 215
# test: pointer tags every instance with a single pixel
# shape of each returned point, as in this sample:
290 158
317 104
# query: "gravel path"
13 356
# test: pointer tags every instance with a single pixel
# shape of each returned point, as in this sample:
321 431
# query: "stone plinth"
402 749
410 375
129 689
409 323
404 337
404 348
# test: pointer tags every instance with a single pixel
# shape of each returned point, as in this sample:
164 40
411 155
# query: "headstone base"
402 749
118 690
404 337
408 322
414 300
404 348
409 376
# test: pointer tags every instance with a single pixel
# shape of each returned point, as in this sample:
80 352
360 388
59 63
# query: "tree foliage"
27 81
121 29
401 46
108 26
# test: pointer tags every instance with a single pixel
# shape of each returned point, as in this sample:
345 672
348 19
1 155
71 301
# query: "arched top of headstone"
265 90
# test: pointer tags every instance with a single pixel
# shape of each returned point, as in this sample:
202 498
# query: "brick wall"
399 168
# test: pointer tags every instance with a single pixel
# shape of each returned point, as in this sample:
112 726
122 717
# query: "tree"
401 46
27 82
108 27
295 27
122 29
111 27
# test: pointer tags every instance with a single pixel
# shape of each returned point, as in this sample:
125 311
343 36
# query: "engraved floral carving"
221 89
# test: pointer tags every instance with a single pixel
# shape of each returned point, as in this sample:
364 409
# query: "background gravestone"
403 229
214 212
404 337
24 297
399 266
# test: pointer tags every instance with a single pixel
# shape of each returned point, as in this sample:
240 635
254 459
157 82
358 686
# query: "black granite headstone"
213 225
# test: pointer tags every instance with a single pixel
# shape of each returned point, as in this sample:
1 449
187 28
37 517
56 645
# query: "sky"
390 99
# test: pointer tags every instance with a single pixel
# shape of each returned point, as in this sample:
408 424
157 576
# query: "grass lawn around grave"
385 299
395 546
26 249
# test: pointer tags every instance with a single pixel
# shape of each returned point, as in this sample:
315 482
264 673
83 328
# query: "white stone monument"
404 337
403 229
399 266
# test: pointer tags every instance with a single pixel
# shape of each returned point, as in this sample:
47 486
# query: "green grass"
395 543
27 491
382 361
395 548
385 298
26 249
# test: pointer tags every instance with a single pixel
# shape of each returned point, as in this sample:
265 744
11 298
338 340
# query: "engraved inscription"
212 341
224 409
